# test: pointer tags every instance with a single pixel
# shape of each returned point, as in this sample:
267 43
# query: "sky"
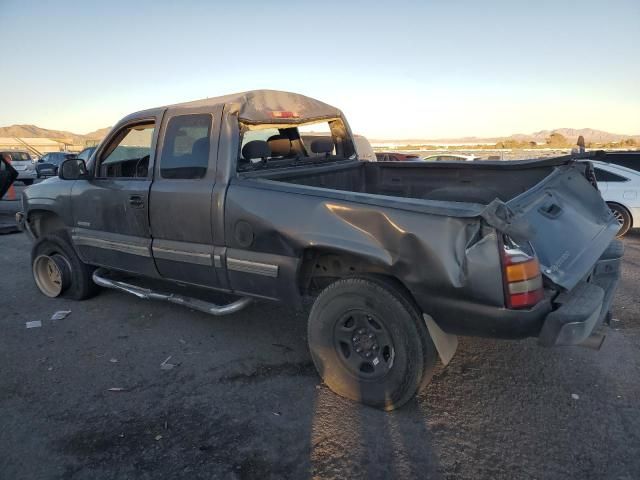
397 69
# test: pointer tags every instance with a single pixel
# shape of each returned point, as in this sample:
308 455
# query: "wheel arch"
42 222
321 266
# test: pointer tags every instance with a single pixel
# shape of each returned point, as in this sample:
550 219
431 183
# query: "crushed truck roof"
272 106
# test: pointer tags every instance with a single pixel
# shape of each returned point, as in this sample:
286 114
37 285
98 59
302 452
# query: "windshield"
270 146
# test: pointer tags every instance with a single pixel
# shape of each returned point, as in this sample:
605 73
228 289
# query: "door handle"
136 201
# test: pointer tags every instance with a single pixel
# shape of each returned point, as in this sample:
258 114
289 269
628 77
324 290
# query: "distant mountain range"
589 134
32 131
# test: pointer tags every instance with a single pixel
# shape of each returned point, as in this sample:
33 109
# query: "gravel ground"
242 399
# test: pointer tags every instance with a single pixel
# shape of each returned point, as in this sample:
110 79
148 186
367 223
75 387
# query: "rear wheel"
622 216
370 343
58 271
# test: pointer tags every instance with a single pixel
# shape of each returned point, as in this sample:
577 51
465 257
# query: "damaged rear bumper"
583 309
567 319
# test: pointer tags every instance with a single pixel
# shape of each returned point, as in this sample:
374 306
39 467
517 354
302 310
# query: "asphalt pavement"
128 388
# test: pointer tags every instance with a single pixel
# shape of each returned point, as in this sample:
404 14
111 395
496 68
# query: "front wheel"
58 271
369 342
622 216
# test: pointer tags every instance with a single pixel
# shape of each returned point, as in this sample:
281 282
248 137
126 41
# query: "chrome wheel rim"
51 274
619 216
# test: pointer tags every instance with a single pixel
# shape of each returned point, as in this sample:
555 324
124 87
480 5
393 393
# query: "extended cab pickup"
261 195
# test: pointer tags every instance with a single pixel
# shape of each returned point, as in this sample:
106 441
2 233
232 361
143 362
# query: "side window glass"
633 164
127 156
606 176
185 153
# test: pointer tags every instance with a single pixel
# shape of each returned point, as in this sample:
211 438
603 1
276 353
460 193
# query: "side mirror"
73 169
40 160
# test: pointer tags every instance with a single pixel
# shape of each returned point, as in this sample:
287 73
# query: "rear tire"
58 271
369 342
623 216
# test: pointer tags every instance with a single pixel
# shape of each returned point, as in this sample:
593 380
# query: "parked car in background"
86 154
396 157
48 164
623 158
8 175
620 188
450 158
22 162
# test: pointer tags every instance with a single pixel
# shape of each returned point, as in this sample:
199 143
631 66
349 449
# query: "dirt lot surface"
242 399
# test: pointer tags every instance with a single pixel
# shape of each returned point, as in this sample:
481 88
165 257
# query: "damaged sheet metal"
430 254
263 106
442 251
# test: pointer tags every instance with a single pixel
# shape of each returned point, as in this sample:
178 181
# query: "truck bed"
473 182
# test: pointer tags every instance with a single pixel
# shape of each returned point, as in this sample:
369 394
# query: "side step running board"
100 278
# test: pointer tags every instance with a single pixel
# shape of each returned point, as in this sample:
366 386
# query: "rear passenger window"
605 176
185 153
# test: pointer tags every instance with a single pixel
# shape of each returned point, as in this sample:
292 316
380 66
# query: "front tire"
623 216
369 342
58 271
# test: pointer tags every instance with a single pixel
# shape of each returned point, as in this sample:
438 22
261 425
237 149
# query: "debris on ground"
158 437
575 396
113 360
117 389
34 324
59 315
167 366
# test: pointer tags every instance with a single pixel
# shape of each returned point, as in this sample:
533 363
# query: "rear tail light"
522 277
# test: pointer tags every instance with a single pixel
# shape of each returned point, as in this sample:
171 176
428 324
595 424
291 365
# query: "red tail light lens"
522 277
283 114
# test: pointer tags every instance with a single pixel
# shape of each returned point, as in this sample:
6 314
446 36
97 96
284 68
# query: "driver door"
111 210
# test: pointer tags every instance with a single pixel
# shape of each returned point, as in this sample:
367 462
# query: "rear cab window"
272 146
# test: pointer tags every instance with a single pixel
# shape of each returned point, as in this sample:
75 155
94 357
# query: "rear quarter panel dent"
430 254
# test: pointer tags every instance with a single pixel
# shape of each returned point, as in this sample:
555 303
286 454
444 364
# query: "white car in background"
23 163
620 188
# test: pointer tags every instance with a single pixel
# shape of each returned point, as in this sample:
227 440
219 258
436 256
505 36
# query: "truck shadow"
252 406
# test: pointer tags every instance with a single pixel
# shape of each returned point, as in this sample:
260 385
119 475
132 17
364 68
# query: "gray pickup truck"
261 195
